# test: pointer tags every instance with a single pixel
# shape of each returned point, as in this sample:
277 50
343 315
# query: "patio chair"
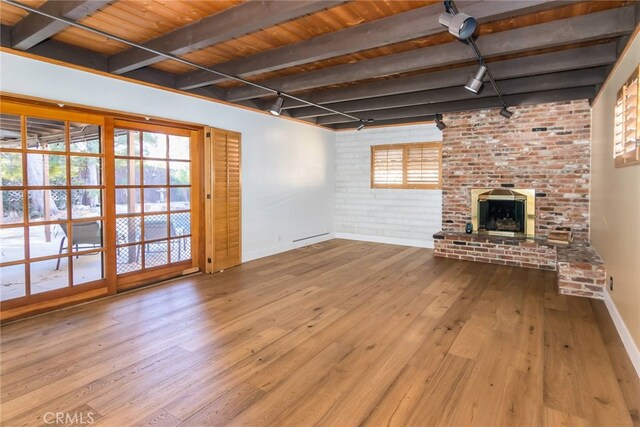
155 230
85 234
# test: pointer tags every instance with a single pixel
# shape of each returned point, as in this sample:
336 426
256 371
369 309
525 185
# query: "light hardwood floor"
341 334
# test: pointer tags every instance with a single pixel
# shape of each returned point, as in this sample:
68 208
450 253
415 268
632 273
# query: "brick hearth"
496 250
581 271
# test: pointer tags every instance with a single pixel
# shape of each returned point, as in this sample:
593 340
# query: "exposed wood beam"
622 43
407 120
35 28
72 54
86 58
233 22
570 59
393 29
610 23
586 92
562 80
210 92
5 36
257 104
153 75
260 105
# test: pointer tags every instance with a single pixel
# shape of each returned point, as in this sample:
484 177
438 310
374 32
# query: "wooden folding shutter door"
223 242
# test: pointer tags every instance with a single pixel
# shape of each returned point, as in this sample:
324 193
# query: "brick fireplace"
544 148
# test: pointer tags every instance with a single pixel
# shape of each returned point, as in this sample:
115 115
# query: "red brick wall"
544 146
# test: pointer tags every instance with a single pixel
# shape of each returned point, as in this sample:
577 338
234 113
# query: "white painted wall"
396 216
287 167
615 204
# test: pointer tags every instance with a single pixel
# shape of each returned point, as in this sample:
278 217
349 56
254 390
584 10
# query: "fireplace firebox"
503 211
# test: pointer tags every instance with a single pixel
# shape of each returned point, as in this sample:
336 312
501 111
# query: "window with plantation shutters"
406 166
626 149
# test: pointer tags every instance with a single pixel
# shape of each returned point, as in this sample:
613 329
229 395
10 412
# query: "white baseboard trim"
387 240
625 335
261 253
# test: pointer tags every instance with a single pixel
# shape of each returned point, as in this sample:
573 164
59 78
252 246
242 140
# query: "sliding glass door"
91 204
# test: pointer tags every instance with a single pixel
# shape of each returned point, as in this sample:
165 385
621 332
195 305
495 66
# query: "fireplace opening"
502 215
502 211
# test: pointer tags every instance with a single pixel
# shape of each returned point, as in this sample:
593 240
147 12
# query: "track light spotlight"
506 113
475 83
363 122
460 25
276 108
439 123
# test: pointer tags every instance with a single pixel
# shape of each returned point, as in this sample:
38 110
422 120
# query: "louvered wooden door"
223 200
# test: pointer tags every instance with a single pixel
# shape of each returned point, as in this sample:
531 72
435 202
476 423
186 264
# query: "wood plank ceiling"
389 60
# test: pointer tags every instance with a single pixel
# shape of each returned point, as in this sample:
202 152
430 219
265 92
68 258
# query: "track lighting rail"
174 57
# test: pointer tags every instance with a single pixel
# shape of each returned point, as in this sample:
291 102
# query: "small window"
406 166
626 149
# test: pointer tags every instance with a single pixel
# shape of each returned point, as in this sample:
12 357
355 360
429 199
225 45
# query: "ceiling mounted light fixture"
363 122
465 33
459 24
506 113
439 123
475 83
276 108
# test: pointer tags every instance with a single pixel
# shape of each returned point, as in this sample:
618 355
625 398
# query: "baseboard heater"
310 237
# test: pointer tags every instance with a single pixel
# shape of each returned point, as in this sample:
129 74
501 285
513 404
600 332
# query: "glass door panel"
153 198
51 219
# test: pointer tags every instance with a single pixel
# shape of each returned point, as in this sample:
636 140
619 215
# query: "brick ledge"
489 238
581 271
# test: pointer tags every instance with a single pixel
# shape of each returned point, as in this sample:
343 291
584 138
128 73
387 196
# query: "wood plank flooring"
340 334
